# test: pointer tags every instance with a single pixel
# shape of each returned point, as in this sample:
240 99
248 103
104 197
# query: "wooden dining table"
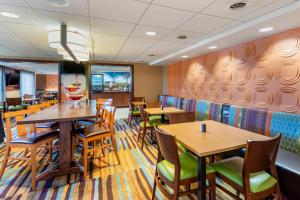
138 103
65 114
218 138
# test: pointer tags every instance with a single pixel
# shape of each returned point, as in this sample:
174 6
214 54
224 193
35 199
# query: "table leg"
202 178
65 144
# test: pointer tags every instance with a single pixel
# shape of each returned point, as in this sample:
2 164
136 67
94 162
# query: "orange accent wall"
264 73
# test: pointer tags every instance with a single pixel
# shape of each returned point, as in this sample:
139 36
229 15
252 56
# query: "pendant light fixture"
72 45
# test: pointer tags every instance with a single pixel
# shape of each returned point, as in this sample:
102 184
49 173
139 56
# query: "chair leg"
154 188
143 139
113 141
85 160
278 195
5 159
33 167
212 192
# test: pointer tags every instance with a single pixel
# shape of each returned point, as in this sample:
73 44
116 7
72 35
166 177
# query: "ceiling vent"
238 5
151 55
181 37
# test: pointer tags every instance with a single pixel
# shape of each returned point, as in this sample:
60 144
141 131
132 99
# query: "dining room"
150 99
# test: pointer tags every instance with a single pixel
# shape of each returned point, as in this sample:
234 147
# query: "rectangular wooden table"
218 138
64 114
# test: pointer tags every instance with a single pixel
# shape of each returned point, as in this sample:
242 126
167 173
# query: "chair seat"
47 125
15 108
136 112
154 117
150 124
181 147
92 131
232 169
189 168
32 138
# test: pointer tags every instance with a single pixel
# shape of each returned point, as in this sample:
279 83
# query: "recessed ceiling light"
9 15
150 33
266 29
58 3
185 56
212 47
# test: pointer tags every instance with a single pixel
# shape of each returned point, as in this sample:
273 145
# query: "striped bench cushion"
202 110
215 112
254 120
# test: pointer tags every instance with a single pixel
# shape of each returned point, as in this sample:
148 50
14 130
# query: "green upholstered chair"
133 112
176 118
174 170
255 176
145 128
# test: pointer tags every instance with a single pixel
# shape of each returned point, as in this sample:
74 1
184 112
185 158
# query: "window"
2 83
27 83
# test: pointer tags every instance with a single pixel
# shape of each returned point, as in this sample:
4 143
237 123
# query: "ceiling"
37 67
116 28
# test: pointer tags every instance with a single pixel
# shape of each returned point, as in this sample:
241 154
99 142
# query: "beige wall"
148 81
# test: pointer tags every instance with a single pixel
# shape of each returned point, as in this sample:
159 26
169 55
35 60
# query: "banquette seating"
256 120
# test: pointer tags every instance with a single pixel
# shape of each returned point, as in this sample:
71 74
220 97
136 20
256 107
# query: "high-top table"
218 138
64 114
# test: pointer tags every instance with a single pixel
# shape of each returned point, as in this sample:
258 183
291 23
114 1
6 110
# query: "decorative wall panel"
264 73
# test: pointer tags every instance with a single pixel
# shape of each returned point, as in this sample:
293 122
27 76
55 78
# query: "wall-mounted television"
12 77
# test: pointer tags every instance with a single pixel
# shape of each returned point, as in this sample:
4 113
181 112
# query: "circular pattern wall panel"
242 54
262 75
289 43
288 99
263 98
225 58
289 72
242 76
263 49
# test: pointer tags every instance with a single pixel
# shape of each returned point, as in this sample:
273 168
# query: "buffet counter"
120 99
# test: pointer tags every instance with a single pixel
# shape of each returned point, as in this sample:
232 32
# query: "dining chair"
97 135
176 170
154 104
134 112
27 138
183 117
255 176
144 128
47 125
14 104
90 122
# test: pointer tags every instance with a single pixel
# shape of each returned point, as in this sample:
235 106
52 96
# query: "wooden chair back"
35 108
183 117
153 104
142 112
168 149
107 102
13 101
17 116
109 117
138 98
261 155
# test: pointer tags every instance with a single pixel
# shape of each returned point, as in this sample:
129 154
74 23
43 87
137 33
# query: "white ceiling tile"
18 45
111 27
122 10
269 8
189 5
36 36
140 32
26 15
221 8
191 36
14 2
164 17
4 52
107 45
78 7
203 23
134 47
52 19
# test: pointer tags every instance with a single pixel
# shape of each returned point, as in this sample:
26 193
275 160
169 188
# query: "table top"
159 111
138 103
62 112
218 137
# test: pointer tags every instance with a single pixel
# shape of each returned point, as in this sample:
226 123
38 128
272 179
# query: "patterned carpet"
132 179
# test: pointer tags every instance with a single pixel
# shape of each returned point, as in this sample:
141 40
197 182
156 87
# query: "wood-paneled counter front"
120 99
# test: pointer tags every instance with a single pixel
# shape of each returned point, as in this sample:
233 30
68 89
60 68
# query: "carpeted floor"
132 179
